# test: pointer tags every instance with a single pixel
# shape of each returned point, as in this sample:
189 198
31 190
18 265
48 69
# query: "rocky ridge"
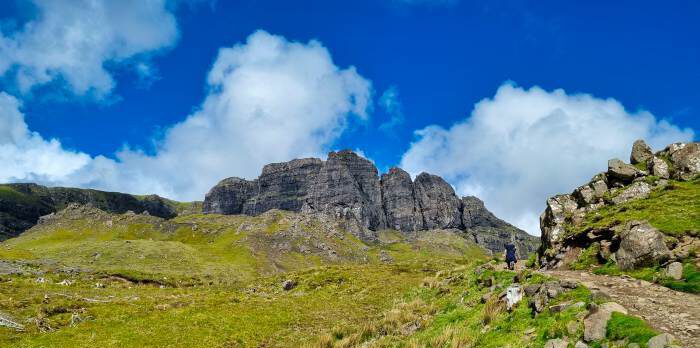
21 205
348 187
630 244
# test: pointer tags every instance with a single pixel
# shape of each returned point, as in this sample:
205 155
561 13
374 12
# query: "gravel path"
664 309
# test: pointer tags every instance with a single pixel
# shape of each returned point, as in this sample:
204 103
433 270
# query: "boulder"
637 190
622 172
596 322
641 152
686 161
674 270
580 344
661 341
659 167
640 245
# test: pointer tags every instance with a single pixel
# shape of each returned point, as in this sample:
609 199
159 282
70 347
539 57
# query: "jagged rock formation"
347 186
21 205
634 243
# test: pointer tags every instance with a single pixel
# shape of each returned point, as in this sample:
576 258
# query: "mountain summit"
348 187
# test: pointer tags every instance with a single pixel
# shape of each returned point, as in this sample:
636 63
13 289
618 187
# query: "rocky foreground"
348 187
570 222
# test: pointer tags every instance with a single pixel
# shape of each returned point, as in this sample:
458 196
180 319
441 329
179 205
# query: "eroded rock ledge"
347 186
631 244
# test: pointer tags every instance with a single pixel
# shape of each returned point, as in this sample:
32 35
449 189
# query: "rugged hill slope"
641 218
85 278
21 205
347 186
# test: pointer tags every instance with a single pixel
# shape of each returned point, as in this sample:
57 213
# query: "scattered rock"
595 323
288 284
622 172
637 190
675 270
659 167
661 341
385 257
557 343
580 344
7 321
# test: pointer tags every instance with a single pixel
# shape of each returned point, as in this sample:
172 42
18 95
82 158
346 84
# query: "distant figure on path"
511 259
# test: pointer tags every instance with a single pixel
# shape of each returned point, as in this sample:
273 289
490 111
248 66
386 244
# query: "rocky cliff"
348 187
641 214
21 205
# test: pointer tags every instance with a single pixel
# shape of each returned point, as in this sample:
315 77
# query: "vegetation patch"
633 329
673 209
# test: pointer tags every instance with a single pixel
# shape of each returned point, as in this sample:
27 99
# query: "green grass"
635 330
208 280
674 210
449 311
9 194
587 258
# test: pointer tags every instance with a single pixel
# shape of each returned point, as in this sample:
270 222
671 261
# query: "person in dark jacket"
511 259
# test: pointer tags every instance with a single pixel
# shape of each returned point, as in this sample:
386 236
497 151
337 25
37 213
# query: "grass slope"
673 209
207 280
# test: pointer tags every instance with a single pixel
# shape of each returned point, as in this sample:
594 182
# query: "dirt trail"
664 309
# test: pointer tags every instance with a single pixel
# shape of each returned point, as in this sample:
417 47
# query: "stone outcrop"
21 205
641 152
640 245
347 186
400 206
620 184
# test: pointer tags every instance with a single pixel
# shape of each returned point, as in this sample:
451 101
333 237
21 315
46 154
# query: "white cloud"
25 155
270 100
71 41
389 101
522 146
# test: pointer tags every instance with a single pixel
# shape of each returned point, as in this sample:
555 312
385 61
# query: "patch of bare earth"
666 310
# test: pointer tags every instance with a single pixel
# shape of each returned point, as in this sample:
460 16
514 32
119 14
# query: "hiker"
511 259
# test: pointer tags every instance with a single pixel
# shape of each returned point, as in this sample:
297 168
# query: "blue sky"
567 83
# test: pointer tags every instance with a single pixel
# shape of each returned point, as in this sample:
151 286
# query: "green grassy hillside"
206 280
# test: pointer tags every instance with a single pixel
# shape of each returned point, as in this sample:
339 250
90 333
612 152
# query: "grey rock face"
437 202
622 172
493 233
686 161
475 214
640 245
22 209
637 190
399 201
641 152
283 186
659 167
229 196
347 186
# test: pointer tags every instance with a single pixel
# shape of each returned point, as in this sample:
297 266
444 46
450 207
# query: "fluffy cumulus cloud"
70 42
270 100
25 155
524 145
